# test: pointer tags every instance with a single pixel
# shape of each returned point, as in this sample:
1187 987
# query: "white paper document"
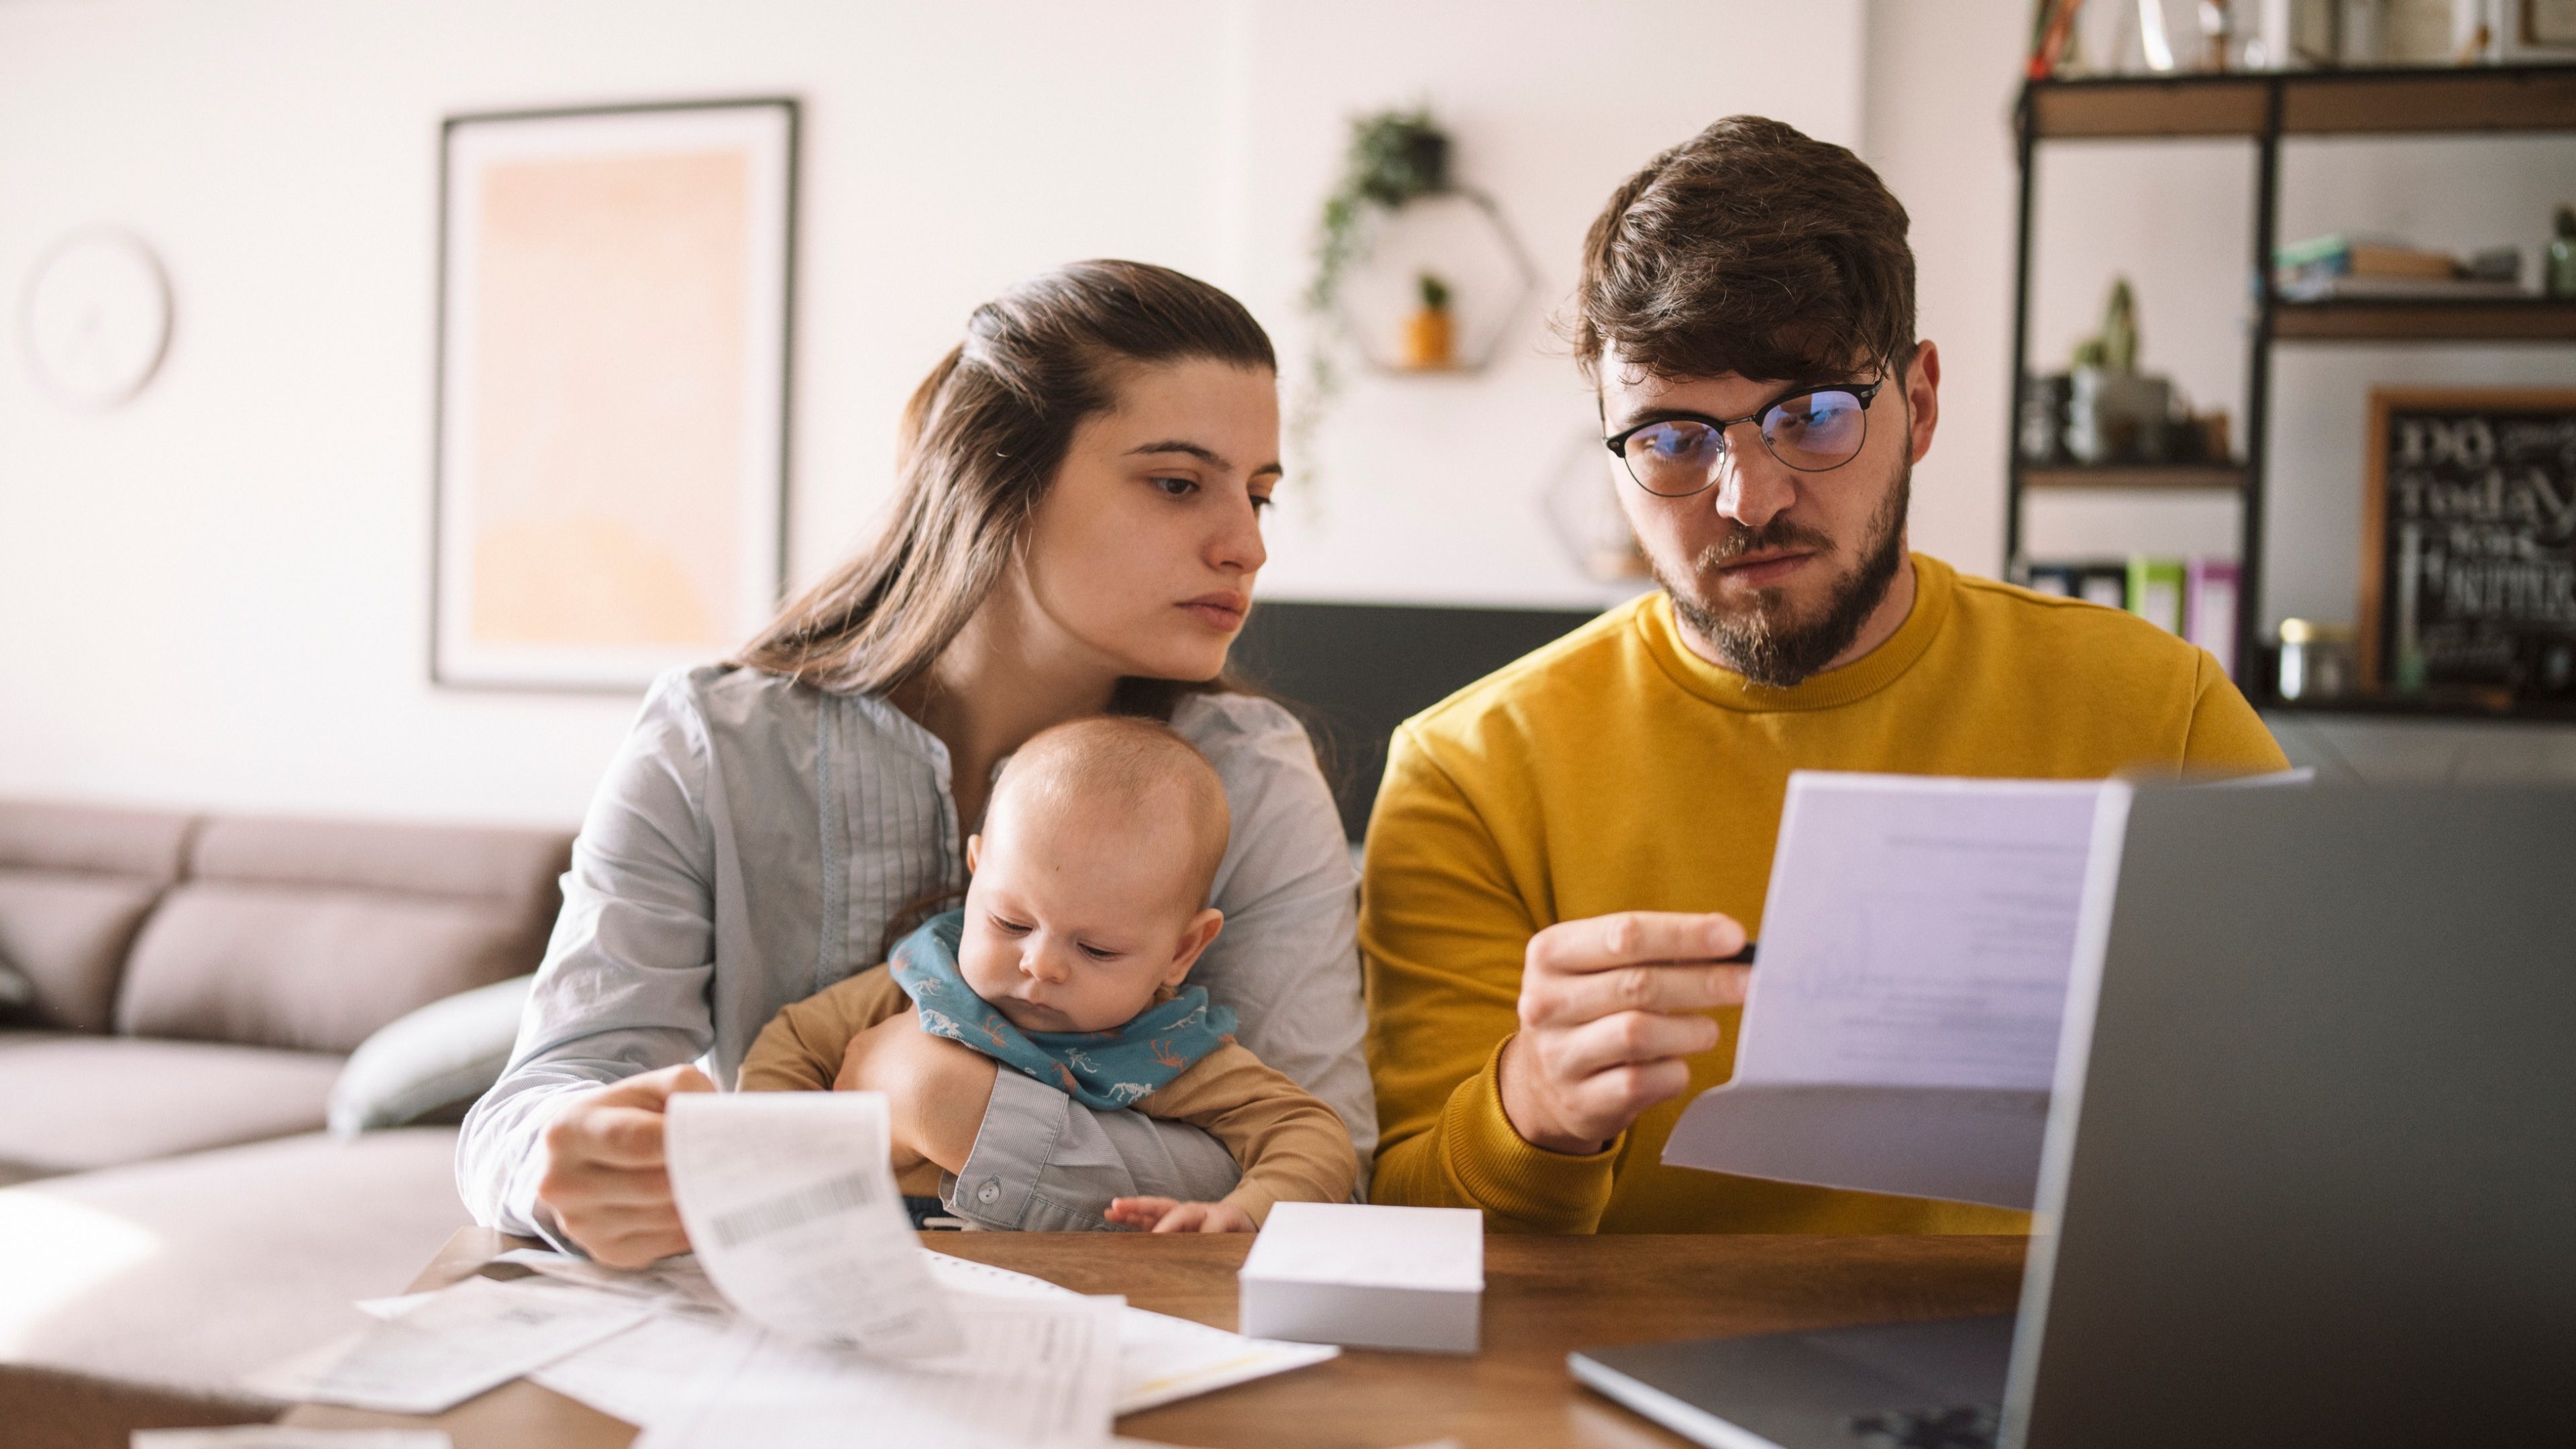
460 1342
792 1208
1162 1359
282 1437
1901 1031
1033 1371
672 1280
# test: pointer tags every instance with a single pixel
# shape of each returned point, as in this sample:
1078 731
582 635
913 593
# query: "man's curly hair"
1753 249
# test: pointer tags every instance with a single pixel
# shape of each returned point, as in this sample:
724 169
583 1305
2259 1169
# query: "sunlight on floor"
54 1252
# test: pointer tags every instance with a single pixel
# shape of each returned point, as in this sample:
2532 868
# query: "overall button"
990 1192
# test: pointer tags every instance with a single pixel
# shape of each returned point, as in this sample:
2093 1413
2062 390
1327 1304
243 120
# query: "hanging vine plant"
1395 157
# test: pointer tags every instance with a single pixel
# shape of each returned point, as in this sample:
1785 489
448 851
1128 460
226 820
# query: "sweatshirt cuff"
1255 1200
1527 1186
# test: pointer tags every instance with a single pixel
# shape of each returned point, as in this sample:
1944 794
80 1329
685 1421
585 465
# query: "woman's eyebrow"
1205 455
1175 445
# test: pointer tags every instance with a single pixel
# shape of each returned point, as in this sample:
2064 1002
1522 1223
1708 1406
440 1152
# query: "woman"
1077 531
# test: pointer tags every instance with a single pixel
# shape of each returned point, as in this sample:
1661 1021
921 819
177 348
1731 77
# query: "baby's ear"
974 851
1194 940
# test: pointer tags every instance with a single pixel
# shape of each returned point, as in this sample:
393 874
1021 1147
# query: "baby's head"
1091 875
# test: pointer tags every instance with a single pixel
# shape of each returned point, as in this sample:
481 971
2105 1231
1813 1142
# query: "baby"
1084 913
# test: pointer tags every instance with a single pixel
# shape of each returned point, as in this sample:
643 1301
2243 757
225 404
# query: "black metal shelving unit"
2263 109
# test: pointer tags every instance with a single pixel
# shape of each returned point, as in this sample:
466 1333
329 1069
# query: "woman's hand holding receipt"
1610 1006
604 1179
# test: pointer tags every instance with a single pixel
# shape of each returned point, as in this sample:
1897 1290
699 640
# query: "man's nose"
1752 486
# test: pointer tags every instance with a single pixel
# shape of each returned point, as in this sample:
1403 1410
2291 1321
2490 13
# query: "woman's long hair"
982 439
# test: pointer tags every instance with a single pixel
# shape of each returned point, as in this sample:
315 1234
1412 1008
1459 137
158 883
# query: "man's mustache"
1779 533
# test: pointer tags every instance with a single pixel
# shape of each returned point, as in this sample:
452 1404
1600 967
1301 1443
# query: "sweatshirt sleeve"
1443 929
2227 736
801 1048
1291 1145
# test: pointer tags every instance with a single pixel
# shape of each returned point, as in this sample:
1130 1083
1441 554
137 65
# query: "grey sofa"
172 1213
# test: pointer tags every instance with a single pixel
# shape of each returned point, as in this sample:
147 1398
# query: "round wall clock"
97 318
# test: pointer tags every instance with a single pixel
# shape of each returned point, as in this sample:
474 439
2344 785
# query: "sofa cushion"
190 1272
312 935
307 968
77 1102
432 1063
95 839
75 882
67 933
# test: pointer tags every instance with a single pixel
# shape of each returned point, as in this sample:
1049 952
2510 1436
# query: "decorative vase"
1430 340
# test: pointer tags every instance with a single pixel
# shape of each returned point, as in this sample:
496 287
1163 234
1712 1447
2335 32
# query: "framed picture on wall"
615 288
2468 563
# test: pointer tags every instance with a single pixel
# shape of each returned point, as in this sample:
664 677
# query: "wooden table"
1543 1298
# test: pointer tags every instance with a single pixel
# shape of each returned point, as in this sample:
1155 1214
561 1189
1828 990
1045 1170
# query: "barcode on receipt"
793 1209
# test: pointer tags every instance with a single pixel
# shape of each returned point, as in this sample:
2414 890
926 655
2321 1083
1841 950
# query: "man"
1563 853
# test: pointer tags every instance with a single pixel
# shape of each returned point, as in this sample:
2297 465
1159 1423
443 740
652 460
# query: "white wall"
217 594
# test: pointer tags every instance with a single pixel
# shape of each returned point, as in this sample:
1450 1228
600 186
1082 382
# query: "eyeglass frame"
1867 393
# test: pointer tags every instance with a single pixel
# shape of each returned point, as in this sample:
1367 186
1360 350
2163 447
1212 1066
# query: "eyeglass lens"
1811 433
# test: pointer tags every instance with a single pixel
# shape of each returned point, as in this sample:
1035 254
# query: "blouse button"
990 1191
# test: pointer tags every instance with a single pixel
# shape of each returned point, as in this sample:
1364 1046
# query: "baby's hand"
1163 1215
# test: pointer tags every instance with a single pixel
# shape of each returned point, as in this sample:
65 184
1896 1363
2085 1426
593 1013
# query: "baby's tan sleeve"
801 1048
1292 1148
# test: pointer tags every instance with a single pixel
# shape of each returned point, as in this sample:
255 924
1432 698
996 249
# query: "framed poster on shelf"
615 287
2468 563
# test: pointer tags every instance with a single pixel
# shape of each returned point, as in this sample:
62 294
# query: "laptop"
2310 1175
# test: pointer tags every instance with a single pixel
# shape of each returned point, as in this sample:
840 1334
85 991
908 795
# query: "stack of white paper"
1380 1277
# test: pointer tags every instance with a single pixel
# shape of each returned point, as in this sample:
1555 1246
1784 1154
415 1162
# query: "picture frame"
612 394
2545 24
2468 554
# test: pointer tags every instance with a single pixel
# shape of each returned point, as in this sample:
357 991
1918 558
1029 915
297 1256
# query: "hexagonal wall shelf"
1461 239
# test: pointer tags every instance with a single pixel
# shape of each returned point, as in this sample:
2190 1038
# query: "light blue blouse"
749 846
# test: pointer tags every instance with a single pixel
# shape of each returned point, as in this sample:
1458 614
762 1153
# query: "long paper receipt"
792 1209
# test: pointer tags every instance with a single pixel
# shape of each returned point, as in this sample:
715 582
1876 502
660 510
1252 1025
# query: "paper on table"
1161 1359
677 1279
964 1275
1034 1371
792 1208
282 1437
466 1339
657 1371
1901 1031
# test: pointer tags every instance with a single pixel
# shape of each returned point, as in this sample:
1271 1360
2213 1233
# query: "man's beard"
1760 642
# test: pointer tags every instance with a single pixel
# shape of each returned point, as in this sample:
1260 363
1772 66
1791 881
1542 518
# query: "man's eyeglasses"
1811 430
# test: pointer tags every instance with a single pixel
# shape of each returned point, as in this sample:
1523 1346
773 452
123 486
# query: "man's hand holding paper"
1610 1008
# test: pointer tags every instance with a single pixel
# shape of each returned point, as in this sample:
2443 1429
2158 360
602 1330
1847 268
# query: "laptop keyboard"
1950 1426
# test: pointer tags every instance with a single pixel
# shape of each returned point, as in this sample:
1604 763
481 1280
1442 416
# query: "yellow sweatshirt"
1616 770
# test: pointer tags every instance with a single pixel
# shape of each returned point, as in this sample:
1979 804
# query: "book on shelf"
2096 581
2155 591
2211 587
2343 254
2195 598
2380 289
